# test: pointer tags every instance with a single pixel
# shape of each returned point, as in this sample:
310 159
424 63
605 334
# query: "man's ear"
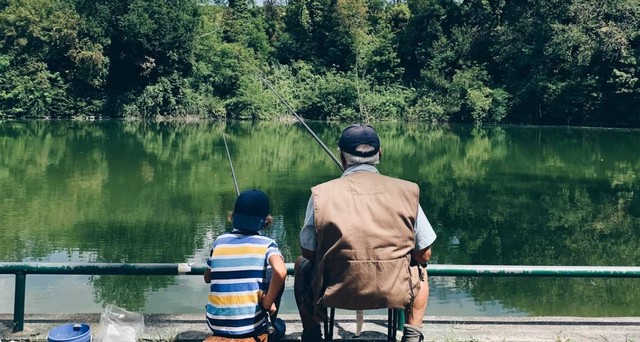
343 160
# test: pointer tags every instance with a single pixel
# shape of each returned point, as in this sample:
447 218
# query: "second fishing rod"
359 313
270 327
301 120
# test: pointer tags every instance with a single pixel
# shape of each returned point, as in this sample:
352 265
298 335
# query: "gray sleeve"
308 235
424 234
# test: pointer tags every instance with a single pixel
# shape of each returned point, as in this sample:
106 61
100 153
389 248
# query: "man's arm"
424 235
422 256
308 237
308 254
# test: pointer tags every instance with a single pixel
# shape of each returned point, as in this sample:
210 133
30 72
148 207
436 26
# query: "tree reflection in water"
155 192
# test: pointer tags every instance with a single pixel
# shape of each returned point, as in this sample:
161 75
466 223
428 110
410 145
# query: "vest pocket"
367 284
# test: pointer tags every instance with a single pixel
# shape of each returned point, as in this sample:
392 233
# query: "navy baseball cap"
250 211
356 135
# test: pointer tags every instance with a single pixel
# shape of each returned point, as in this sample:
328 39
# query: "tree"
295 42
427 24
50 67
244 23
153 40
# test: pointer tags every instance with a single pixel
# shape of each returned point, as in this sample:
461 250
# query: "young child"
246 272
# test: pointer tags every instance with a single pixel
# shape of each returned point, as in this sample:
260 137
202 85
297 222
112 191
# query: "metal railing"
21 269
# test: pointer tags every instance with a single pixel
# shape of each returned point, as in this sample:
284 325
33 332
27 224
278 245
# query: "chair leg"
392 325
389 318
333 316
328 325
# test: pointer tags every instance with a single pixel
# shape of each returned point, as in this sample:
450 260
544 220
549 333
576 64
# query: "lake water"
145 192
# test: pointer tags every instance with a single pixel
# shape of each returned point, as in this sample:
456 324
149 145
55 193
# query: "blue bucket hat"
356 135
250 211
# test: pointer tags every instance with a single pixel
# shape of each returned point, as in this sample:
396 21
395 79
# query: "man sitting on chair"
365 242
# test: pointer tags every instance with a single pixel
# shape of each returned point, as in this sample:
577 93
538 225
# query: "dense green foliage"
571 62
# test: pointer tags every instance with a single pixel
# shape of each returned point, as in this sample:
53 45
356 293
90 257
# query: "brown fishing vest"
364 222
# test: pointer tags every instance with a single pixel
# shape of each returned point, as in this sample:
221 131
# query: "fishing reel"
270 329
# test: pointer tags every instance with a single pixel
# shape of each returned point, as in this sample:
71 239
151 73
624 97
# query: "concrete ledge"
192 328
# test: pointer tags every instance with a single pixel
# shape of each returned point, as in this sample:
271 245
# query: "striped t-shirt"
240 273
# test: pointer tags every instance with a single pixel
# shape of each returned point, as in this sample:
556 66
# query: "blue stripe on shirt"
256 274
249 310
238 262
236 287
236 323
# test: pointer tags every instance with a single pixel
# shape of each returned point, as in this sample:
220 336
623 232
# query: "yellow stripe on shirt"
236 299
239 250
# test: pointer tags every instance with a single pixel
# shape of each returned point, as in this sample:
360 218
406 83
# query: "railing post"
18 305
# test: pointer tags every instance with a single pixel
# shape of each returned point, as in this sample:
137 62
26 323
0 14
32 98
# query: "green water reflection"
160 192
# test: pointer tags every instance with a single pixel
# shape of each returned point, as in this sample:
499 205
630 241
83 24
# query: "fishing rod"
233 172
270 328
301 120
359 313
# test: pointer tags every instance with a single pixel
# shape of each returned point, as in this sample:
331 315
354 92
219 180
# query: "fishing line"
301 120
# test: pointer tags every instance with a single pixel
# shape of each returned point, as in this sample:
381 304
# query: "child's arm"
277 282
207 270
207 275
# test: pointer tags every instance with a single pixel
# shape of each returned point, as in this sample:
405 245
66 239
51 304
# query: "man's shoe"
312 335
412 333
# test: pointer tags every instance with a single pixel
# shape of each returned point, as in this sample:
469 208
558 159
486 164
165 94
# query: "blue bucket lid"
70 333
